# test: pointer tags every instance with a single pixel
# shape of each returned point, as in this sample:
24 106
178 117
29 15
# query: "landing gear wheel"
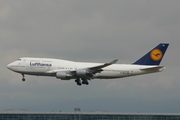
85 81
79 84
23 79
78 81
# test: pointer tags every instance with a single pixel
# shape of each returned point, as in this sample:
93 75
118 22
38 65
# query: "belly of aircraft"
112 74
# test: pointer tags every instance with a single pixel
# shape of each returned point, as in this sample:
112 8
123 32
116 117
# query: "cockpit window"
18 59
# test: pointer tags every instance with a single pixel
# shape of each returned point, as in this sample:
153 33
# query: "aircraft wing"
96 69
89 70
102 66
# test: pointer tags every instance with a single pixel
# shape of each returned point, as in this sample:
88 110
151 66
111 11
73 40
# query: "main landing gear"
23 79
84 81
78 81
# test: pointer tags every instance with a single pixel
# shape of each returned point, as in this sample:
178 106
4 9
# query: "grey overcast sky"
91 31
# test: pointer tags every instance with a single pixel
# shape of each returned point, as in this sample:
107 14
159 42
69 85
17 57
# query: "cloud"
92 31
4 12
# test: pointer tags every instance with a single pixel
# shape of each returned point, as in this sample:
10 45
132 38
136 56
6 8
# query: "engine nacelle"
63 76
82 73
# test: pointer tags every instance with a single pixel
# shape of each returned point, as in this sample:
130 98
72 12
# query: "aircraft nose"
9 66
12 66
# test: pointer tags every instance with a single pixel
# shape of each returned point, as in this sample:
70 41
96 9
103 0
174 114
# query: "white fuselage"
48 67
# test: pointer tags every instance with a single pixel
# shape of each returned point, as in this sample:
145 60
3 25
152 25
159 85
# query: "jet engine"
82 73
63 76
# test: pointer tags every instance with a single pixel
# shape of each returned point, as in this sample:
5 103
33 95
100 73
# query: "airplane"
83 71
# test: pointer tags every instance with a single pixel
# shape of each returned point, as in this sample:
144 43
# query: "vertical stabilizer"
153 57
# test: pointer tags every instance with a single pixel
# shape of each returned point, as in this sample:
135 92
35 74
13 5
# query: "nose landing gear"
23 79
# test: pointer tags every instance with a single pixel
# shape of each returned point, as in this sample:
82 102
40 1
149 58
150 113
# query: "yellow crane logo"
156 54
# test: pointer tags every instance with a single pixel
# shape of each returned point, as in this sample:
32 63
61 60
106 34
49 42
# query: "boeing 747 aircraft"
82 71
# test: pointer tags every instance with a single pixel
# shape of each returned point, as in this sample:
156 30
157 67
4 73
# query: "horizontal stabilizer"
157 68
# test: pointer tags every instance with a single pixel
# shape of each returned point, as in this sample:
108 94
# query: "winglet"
113 62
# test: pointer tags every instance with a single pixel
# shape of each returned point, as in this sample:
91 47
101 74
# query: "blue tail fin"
153 57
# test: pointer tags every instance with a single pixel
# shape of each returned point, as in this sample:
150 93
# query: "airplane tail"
153 57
